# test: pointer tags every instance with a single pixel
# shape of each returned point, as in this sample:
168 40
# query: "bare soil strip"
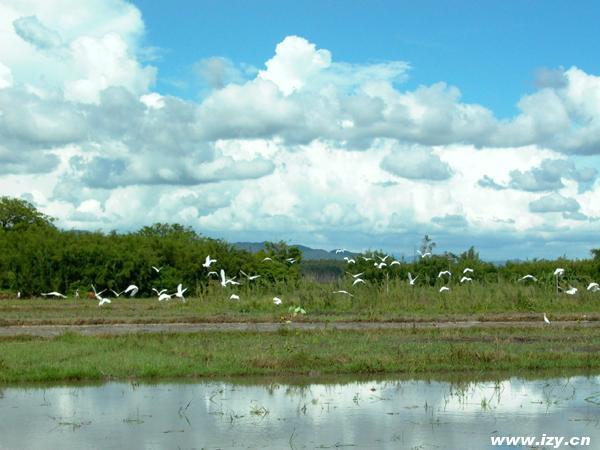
120 329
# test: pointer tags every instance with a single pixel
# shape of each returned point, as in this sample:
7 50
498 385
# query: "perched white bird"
159 293
397 263
158 269
444 289
467 269
76 293
225 281
234 297
53 294
349 260
18 294
132 289
444 272
358 280
423 255
546 318
277 300
355 276
164 296
412 280
594 287
103 301
343 292
250 277
465 279
559 272
571 291
528 277
267 259
180 291
208 261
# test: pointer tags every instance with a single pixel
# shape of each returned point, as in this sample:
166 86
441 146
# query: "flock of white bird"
379 262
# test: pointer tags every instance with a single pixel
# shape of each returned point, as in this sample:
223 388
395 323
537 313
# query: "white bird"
395 263
341 250
444 272
444 289
158 269
594 287
76 293
343 292
234 297
159 293
164 296
412 280
53 294
132 289
358 280
380 265
18 294
103 301
116 293
571 291
98 294
267 259
349 260
208 261
180 291
528 277
277 300
366 259
467 269
559 272
546 318
250 277
225 281
212 273
291 260
355 276
465 279
423 255
383 258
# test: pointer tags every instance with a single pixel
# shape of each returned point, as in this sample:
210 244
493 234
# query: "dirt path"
117 329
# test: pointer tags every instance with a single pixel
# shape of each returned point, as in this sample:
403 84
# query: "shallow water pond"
360 414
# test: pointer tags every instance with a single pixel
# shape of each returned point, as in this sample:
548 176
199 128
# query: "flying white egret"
467 269
412 280
250 277
343 292
291 260
366 259
465 279
212 273
208 261
180 291
546 318
18 294
341 250
559 272
267 259
159 293
103 301
594 287
158 269
164 296
380 265
397 263
444 289
528 277
444 272
355 275
277 300
132 290
234 297
383 258
53 294
225 281
98 294
349 260
116 293
358 280
423 255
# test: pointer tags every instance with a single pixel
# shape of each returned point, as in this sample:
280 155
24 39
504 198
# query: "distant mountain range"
307 252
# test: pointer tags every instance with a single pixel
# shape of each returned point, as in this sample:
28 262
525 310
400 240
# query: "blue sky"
491 50
332 124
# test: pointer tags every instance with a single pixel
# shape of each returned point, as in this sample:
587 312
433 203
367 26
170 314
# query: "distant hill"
307 252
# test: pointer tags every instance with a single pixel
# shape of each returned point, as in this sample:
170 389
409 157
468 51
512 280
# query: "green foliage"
17 214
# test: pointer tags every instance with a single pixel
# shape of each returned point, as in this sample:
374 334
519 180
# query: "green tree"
17 214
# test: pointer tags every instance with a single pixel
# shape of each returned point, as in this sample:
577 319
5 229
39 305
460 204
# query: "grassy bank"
396 301
75 357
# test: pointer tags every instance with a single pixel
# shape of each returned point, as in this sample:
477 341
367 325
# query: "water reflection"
365 414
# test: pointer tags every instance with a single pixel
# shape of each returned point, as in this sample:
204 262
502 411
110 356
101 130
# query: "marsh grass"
215 354
371 302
